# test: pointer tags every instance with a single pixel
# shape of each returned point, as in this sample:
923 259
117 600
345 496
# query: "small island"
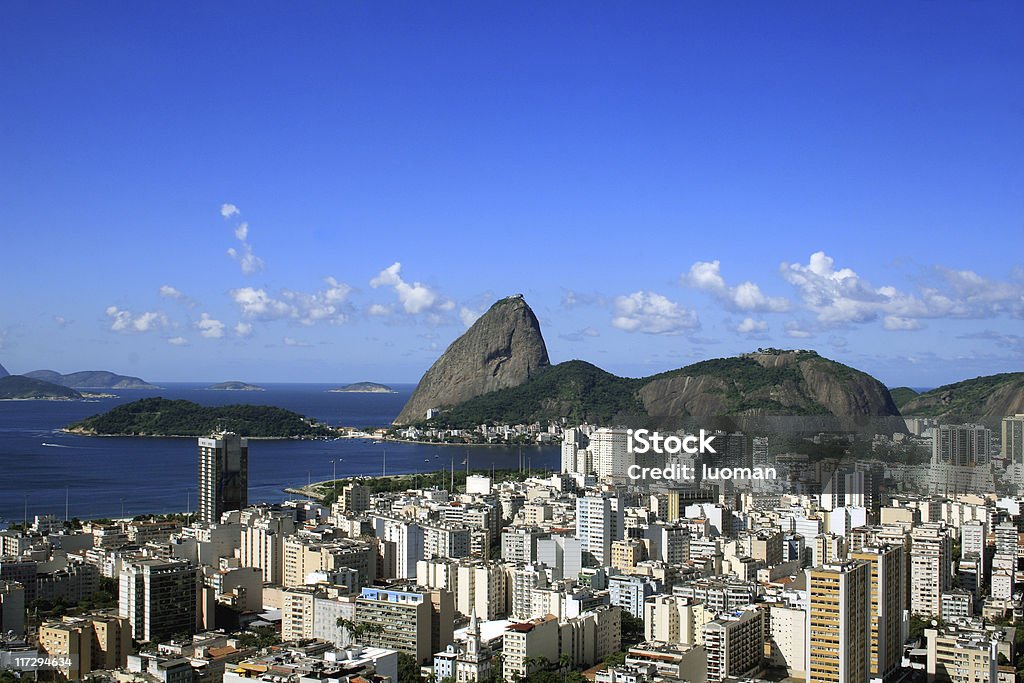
164 417
363 388
234 386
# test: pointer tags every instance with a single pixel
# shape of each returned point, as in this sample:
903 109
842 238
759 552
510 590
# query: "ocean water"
42 468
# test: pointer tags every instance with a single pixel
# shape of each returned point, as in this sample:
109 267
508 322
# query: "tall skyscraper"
223 475
839 623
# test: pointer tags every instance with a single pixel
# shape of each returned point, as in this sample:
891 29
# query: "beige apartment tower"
839 622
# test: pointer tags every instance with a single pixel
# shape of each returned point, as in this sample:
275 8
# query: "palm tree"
358 630
564 664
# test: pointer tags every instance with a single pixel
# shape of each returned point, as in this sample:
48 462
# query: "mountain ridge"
91 379
770 384
977 399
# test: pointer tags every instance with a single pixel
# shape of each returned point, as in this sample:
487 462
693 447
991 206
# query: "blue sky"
665 182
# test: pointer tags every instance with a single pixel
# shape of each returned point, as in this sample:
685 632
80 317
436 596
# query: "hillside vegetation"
164 417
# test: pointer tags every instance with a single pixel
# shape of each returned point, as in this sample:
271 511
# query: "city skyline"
335 195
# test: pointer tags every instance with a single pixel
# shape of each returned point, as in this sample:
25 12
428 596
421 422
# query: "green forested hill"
164 417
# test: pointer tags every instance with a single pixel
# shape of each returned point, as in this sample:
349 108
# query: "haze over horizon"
335 194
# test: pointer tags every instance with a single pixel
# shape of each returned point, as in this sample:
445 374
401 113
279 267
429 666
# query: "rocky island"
363 388
234 386
164 417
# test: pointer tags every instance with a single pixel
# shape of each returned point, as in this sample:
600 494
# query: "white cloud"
840 296
126 321
329 304
379 310
243 329
796 331
257 303
746 296
210 328
751 326
60 321
290 341
415 297
228 210
177 341
169 292
247 260
652 313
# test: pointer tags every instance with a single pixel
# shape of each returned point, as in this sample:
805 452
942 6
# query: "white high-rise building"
599 521
610 453
930 568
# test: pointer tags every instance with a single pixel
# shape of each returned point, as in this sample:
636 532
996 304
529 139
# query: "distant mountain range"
21 387
91 379
499 371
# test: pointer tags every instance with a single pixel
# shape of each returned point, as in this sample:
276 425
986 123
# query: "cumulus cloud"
210 328
840 296
414 297
60 321
379 310
256 303
652 313
243 329
291 341
751 326
228 210
126 321
746 296
177 341
329 304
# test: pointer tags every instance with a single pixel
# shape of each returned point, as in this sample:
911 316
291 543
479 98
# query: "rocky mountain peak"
503 348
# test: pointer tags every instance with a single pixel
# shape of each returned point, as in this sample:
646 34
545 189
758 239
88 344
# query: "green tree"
408 668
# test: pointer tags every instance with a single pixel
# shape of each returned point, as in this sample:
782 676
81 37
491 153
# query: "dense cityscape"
899 564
